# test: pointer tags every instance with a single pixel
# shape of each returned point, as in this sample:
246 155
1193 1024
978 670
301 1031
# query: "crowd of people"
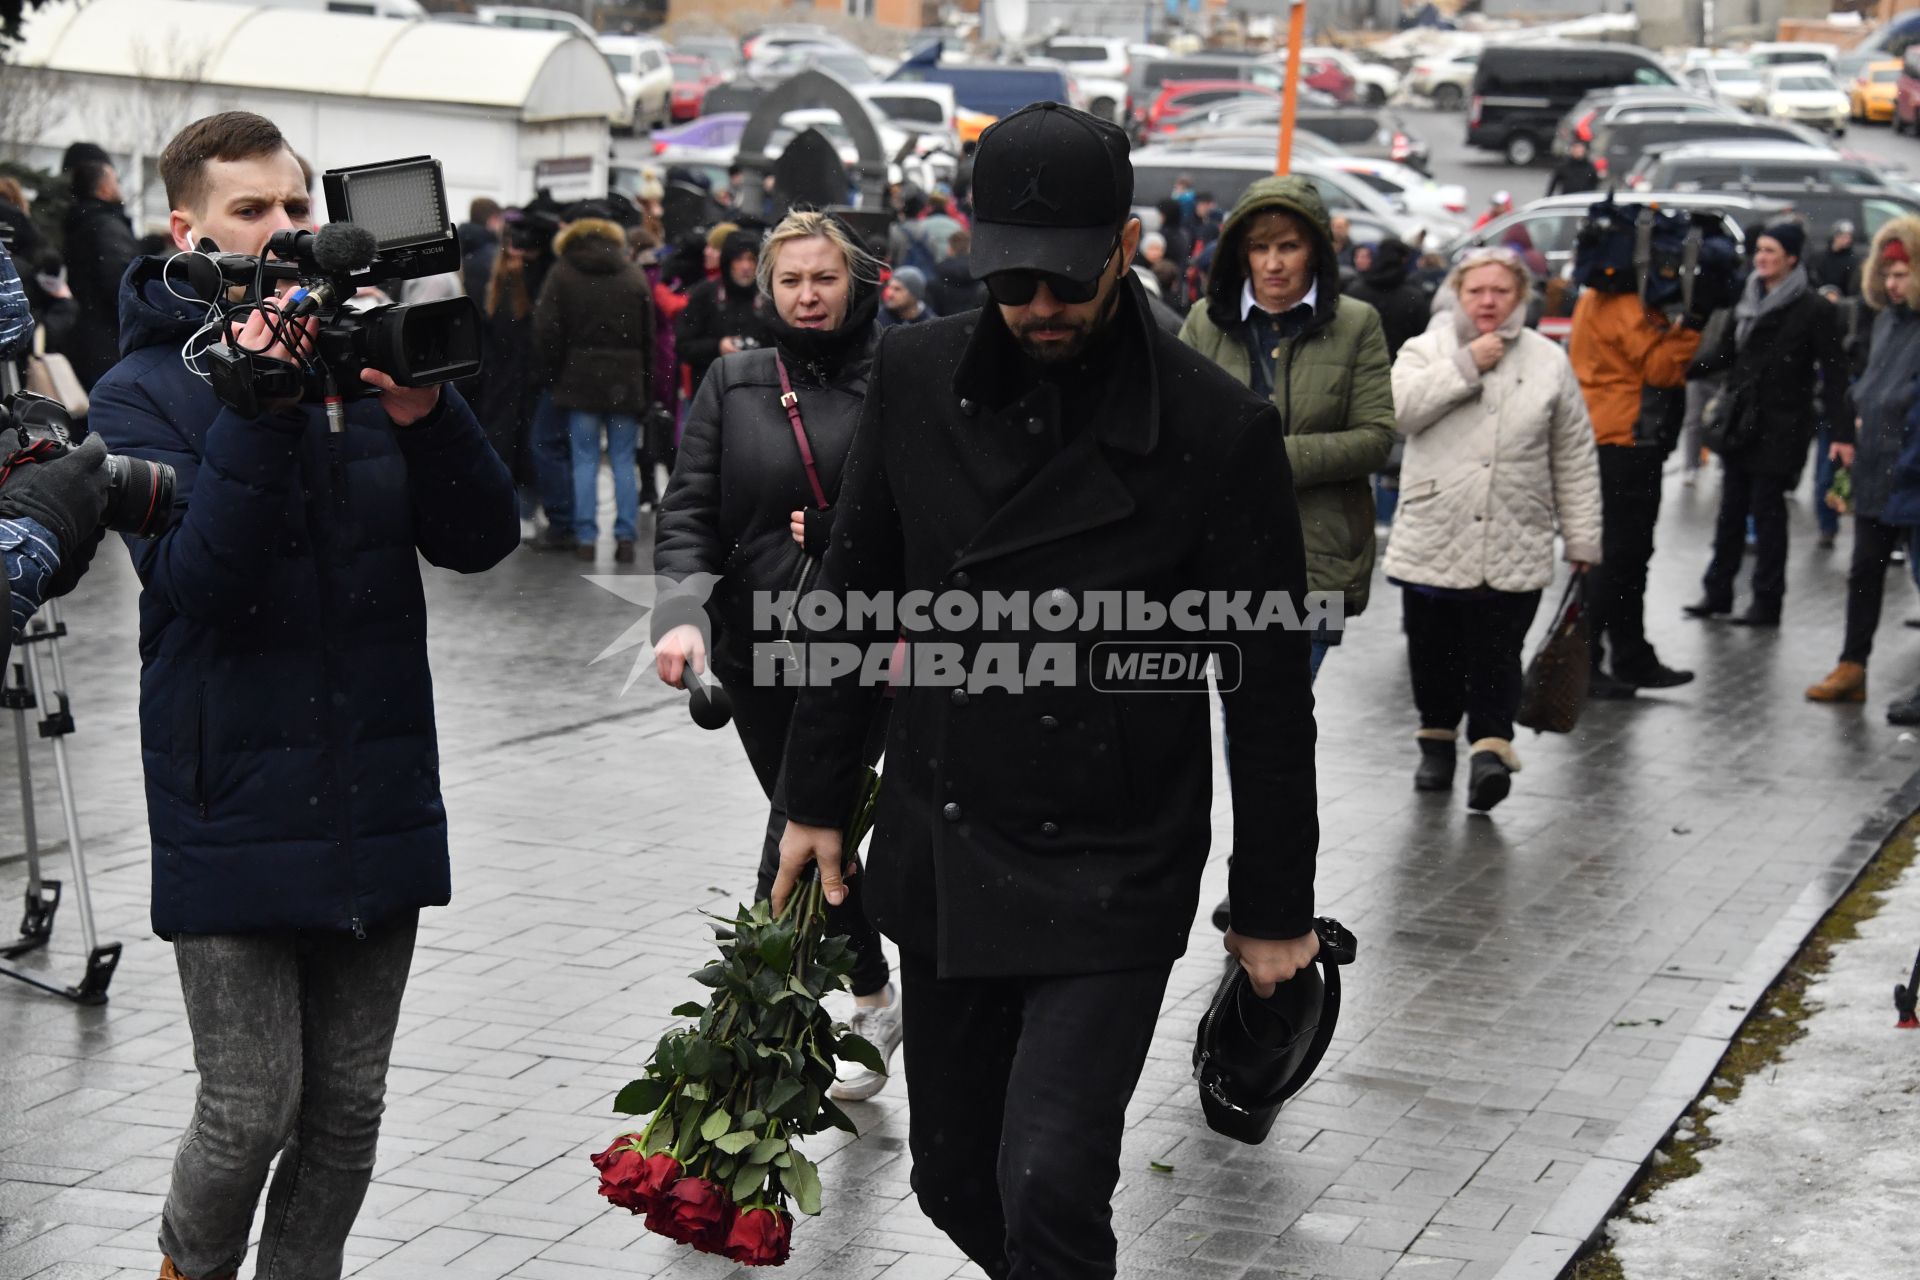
1238 397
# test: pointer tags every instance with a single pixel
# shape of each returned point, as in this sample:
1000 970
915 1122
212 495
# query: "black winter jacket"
593 325
99 245
1789 374
739 475
1405 308
717 309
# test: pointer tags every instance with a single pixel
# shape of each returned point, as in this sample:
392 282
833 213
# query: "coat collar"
993 373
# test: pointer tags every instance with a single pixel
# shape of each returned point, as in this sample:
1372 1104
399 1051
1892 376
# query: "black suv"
1521 91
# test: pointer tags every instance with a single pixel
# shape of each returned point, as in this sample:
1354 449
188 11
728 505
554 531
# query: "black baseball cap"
1052 186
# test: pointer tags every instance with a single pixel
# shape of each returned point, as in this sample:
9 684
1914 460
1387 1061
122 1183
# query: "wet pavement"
1536 990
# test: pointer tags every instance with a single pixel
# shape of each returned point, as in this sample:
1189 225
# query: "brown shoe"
1845 683
623 551
168 1272
585 551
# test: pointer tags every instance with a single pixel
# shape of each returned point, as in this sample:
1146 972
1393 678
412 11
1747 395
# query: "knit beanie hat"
913 280
1790 236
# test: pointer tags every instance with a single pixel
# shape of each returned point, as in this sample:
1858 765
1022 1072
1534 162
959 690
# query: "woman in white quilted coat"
1499 458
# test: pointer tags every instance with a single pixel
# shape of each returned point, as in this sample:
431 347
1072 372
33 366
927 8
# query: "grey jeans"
291 1036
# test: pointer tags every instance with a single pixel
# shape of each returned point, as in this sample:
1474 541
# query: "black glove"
65 495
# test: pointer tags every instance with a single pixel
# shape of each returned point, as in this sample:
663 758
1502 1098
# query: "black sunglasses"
1016 288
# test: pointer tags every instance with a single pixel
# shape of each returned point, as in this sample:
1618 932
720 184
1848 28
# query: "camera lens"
139 496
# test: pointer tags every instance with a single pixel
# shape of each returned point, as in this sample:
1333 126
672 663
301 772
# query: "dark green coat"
1332 385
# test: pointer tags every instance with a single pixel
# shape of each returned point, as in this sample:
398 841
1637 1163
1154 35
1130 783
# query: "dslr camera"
390 223
34 428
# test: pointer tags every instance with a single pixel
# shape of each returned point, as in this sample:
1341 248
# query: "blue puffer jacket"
286 709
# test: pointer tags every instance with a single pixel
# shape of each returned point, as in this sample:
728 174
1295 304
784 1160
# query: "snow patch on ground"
1817 1171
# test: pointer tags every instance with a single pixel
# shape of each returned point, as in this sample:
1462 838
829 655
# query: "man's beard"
1085 333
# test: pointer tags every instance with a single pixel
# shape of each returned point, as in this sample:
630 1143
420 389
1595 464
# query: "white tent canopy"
538 75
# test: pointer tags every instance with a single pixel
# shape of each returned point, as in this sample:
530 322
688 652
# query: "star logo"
1031 195
644 590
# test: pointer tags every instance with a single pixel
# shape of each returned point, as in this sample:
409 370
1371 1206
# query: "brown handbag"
1555 688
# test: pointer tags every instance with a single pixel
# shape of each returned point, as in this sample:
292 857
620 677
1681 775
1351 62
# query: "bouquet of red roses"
716 1165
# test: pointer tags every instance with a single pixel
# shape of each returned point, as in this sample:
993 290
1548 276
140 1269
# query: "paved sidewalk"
1523 983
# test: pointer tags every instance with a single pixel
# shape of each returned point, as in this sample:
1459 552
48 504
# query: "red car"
1177 97
692 77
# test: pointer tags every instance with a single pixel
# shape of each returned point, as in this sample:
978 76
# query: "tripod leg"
54 706
43 897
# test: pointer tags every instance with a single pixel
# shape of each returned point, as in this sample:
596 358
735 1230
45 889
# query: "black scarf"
818 356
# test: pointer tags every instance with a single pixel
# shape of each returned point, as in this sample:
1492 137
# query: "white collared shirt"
1247 304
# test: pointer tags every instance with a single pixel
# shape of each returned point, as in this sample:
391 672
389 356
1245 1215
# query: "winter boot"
1438 754
1493 764
1845 683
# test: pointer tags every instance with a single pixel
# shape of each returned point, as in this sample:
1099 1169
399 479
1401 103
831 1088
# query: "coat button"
963 579
1049 828
1049 722
969 408
959 697
951 812
1036 425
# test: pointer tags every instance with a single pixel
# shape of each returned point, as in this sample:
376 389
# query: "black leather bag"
1252 1054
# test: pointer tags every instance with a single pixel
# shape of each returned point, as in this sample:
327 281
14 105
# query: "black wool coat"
1788 376
1063 829
717 309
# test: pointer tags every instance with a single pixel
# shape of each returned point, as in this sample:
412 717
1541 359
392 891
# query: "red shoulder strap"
791 403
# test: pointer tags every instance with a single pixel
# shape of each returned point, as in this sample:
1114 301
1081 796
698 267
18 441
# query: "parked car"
1265 71
1807 95
1521 91
1724 164
992 88
1375 83
1228 176
692 77
1595 112
1406 189
781 62
1179 98
718 52
1618 148
1246 142
1870 96
1375 135
1784 53
533 18
1446 79
1734 81
764 40
1868 208
645 77
1102 66
1551 225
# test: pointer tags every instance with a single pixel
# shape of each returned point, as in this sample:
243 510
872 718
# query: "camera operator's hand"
405 405
65 495
257 336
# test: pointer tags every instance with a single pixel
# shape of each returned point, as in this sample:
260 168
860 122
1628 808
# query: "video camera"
34 428
389 223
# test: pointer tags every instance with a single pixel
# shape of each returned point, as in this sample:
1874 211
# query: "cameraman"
286 723
50 509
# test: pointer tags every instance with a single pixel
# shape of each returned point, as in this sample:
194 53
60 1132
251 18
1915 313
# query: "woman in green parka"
1274 318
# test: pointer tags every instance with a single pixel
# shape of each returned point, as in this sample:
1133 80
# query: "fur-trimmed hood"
595 245
1907 231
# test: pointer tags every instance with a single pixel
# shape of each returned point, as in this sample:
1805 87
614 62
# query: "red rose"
622 1169
759 1238
692 1211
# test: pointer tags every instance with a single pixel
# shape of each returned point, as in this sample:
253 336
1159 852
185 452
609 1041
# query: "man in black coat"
1838 268
99 245
1405 308
1041 834
1574 175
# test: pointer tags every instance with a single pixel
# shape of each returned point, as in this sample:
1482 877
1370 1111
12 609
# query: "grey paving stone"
1533 988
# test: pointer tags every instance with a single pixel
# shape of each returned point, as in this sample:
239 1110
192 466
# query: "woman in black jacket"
746 504
724 315
1786 359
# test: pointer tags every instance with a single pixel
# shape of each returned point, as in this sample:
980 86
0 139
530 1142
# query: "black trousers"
1630 503
762 715
1744 493
1873 547
1017 1090
1464 654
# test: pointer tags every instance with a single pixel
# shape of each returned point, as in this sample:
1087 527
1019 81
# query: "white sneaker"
881 1028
